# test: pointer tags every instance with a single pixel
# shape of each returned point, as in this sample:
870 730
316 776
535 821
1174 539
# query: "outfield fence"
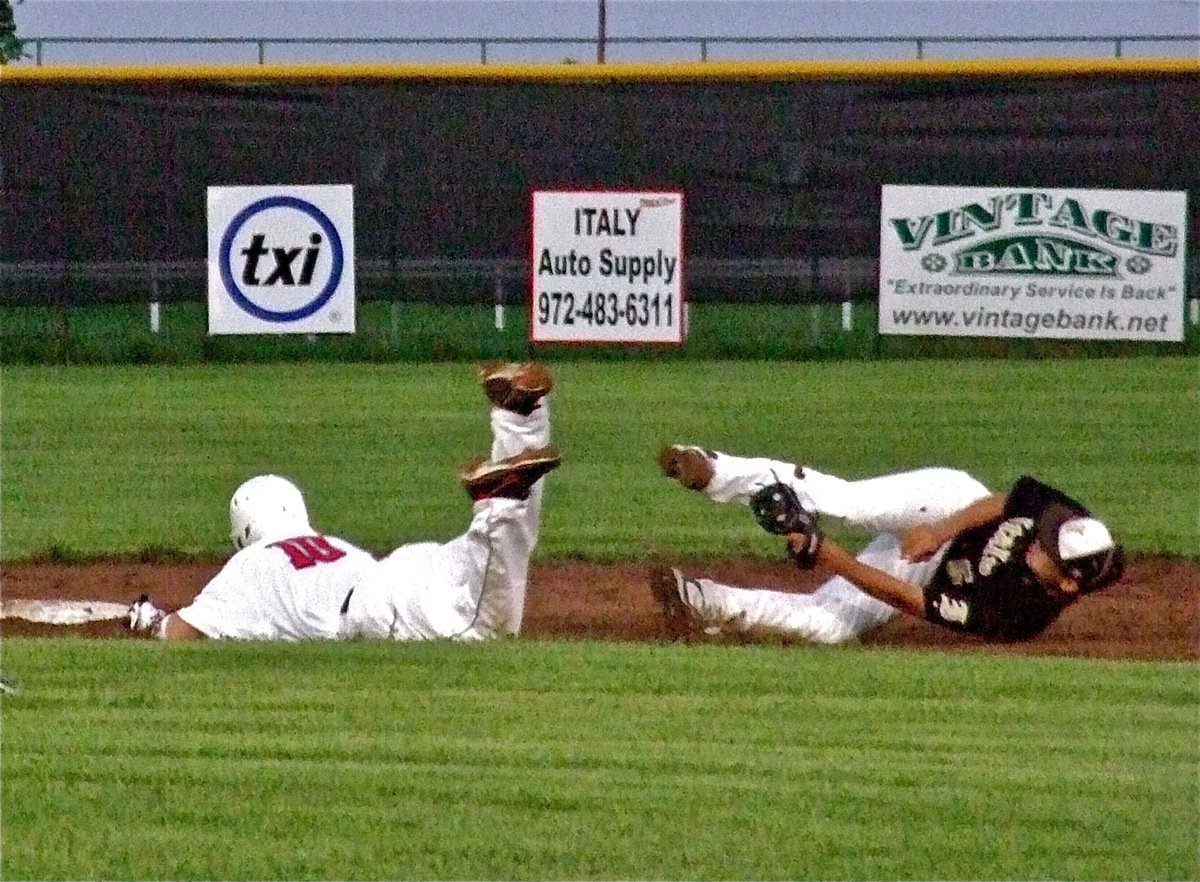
103 176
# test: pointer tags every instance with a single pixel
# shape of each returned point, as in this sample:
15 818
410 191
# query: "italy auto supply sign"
281 260
607 267
1032 262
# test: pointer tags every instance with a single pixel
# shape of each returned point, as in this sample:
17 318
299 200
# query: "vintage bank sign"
1032 262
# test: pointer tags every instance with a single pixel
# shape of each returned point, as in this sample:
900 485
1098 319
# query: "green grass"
121 333
120 460
429 330
584 760
532 760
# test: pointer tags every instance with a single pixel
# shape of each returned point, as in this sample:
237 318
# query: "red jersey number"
308 551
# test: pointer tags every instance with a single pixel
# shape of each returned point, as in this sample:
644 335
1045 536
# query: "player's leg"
835 612
492 562
467 588
891 503
887 503
520 421
512 434
488 566
474 585
694 605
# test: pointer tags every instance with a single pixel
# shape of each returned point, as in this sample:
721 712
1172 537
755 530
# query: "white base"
62 612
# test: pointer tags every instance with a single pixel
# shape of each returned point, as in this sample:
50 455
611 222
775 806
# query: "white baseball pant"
472 587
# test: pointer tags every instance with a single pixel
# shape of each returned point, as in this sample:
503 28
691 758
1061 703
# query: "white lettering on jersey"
959 573
952 610
999 547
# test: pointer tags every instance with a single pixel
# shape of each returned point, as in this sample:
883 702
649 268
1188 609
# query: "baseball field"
593 748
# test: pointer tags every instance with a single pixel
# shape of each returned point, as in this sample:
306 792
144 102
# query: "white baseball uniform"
316 587
838 610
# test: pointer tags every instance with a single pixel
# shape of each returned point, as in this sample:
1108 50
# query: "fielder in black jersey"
1001 566
1010 577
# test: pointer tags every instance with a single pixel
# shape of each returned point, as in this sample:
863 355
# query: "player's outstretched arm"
883 586
144 619
922 542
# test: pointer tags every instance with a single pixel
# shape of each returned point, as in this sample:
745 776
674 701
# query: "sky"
578 19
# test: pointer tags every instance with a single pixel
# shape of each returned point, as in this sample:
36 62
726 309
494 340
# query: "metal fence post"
498 299
155 306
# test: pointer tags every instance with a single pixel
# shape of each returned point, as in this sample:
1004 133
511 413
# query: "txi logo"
281 259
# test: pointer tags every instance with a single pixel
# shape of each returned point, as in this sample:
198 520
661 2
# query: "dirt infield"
1152 613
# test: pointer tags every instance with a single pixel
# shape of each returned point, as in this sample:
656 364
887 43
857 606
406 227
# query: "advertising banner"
607 267
281 260
1032 262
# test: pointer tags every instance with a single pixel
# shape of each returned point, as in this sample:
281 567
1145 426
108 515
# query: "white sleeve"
226 606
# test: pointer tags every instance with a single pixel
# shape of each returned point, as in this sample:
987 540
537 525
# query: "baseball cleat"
690 466
510 478
516 386
667 585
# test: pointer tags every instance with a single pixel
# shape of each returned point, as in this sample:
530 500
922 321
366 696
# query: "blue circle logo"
331 236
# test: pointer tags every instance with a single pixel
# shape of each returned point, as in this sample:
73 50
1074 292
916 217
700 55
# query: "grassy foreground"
136 760
118 460
540 760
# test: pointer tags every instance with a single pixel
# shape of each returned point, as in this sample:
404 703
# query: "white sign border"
335 205
679 294
1026 315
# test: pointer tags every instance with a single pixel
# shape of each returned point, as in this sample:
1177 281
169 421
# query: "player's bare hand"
919 543
803 548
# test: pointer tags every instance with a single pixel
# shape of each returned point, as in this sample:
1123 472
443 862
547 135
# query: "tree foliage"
11 47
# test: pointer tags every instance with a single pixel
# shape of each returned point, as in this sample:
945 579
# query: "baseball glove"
778 510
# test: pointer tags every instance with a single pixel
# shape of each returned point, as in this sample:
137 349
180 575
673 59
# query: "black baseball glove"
778 510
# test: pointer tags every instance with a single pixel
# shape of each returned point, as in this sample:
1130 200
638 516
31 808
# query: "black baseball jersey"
983 584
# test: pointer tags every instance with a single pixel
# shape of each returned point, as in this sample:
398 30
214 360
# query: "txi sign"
281 260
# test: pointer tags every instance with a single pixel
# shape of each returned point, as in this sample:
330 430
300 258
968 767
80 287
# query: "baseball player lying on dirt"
1001 566
289 582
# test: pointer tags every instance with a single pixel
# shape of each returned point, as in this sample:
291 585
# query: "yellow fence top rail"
591 73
